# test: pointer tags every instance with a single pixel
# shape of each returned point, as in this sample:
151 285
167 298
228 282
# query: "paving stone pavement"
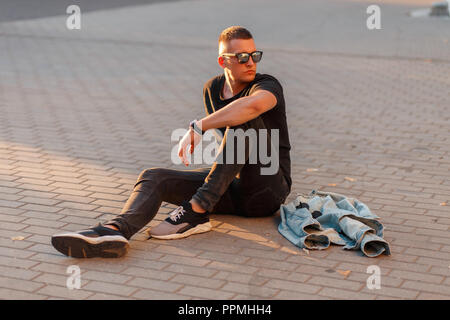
84 111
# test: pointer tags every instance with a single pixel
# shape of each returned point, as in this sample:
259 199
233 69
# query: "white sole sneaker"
79 246
200 228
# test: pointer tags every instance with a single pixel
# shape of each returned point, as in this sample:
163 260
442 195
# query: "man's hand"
191 140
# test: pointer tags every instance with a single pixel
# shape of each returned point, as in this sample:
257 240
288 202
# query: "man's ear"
221 61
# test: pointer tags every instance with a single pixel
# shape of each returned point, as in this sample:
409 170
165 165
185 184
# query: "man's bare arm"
239 111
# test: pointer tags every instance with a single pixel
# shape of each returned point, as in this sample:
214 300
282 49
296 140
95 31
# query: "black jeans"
223 188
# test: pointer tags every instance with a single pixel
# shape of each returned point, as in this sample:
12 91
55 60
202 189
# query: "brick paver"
84 112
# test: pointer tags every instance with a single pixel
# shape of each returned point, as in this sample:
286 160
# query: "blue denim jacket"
321 218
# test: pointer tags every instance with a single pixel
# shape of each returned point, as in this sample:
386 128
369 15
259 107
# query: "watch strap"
196 128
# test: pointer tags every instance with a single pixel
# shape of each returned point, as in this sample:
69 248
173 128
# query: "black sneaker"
98 241
181 223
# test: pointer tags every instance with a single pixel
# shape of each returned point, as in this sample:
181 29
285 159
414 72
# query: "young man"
239 98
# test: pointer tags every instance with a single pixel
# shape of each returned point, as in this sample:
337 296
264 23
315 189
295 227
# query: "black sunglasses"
244 56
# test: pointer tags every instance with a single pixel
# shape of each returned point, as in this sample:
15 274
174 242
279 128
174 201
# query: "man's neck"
231 87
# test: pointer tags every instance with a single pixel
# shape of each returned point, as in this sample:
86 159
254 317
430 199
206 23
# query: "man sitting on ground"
239 98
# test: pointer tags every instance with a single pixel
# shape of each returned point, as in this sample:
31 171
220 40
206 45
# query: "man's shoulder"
261 77
212 82
268 82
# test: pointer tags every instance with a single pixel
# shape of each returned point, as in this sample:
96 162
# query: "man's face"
244 72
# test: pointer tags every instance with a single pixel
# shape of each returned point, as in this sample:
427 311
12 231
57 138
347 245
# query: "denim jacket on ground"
321 218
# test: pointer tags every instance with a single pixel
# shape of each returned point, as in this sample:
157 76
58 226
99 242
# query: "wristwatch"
193 125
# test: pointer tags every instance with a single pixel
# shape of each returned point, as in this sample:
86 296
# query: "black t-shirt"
275 118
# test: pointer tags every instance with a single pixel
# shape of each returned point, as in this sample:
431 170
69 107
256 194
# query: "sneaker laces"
177 213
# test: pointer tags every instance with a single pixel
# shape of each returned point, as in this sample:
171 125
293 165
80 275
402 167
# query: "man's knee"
151 174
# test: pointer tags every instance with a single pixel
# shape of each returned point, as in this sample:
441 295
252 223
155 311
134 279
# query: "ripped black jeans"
224 188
